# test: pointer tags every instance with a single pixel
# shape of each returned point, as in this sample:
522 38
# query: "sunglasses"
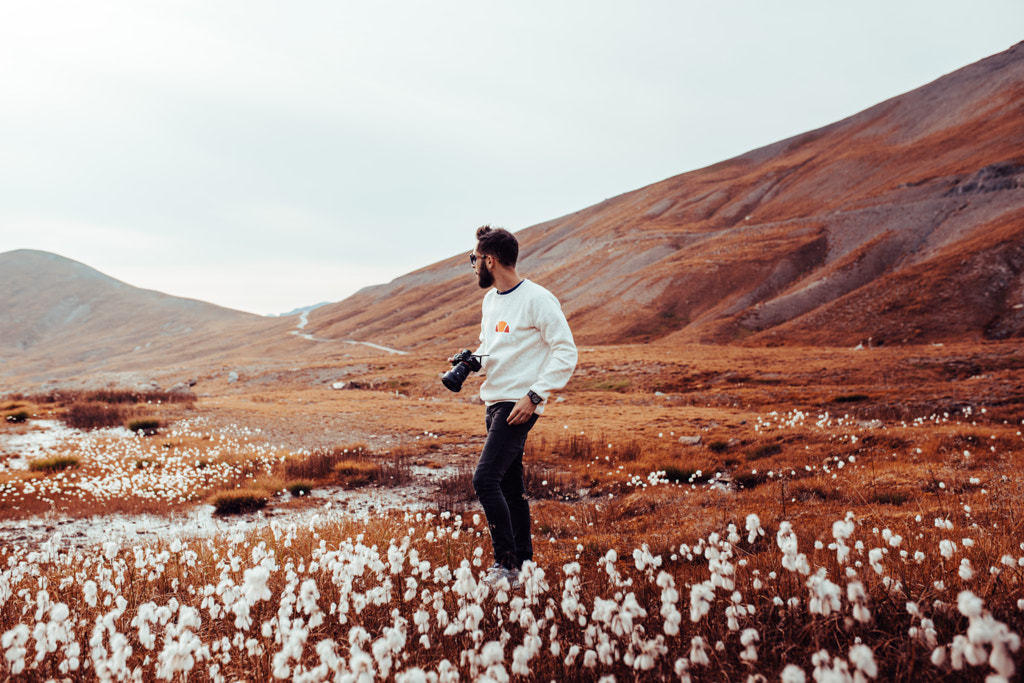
473 258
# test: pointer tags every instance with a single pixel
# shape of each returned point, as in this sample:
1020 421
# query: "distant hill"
904 223
58 316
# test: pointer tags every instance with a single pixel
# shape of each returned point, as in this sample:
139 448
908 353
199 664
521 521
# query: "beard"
484 276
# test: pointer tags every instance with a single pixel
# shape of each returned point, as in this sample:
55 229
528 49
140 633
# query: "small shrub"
395 471
718 446
239 501
749 480
764 451
851 398
115 397
143 463
269 484
146 425
683 475
299 488
356 473
616 384
456 491
573 447
631 451
806 491
895 498
544 482
134 397
577 447
18 416
321 464
54 463
93 416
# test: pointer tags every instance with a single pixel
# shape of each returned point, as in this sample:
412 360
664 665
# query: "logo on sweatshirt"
502 326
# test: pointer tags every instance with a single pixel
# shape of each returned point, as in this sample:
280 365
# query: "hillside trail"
304 321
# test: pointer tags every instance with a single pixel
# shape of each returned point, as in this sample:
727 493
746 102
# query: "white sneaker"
497 572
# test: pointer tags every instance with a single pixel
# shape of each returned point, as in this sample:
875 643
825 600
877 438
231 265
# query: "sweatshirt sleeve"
562 361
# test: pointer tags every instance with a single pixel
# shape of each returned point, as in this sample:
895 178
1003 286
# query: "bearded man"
527 352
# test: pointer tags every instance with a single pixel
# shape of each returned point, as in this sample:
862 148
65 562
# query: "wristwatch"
535 398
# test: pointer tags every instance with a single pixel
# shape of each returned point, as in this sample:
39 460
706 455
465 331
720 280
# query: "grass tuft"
686 475
355 473
455 492
764 451
894 498
749 480
54 463
299 488
146 425
239 501
322 463
90 415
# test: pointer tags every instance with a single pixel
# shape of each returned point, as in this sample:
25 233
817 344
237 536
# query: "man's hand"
522 411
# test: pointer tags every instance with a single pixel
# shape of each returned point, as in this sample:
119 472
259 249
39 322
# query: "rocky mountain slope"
903 223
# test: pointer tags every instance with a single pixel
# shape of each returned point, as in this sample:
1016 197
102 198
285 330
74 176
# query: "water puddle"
45 437
38 439
201 522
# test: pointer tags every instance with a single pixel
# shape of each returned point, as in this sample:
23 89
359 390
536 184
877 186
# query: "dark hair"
499 243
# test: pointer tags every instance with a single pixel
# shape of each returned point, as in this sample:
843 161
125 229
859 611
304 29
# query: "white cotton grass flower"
701 596
793 674
875 560
836 669
748 640
792 560
858 597
841 531
753 526
89 592
13 642
669 598
824 595
698 652
983 631
863 660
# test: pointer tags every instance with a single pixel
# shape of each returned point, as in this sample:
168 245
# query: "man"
527 352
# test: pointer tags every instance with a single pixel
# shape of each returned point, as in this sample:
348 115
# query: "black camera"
463 363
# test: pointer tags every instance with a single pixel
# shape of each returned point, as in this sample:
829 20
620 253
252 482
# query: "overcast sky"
270 155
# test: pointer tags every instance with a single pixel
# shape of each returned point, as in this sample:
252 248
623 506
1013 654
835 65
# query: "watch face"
535 398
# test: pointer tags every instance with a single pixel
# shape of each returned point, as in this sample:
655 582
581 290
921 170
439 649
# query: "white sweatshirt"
527 342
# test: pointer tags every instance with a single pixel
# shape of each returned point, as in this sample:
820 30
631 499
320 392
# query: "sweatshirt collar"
509 291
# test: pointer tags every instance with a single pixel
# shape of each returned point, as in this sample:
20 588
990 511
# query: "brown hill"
903 223
60 317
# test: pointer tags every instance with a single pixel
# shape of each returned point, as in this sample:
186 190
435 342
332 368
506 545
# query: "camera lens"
454 378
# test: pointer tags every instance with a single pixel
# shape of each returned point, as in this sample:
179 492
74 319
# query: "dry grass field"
844 515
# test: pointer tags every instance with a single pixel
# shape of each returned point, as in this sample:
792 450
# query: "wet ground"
42 438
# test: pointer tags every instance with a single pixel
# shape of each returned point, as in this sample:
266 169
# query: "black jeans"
499 485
